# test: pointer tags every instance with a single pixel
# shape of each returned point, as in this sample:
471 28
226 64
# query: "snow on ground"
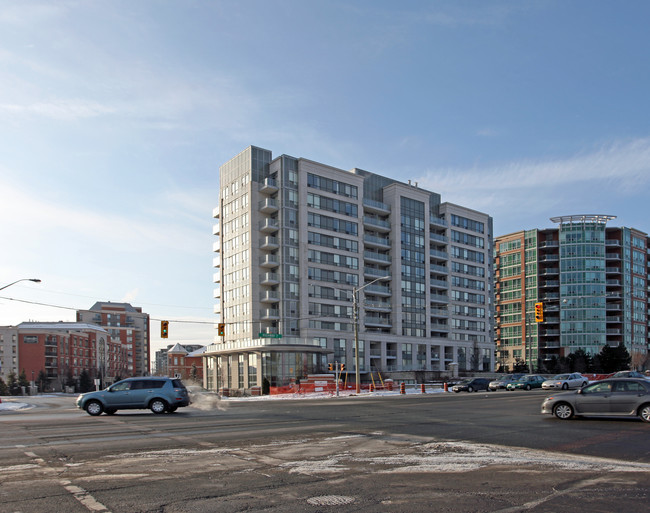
11 405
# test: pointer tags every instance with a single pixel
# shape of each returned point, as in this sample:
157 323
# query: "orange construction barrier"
446 387
372 387
422 388
402 388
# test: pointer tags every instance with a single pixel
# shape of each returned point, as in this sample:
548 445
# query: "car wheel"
527 387
94 408
644 412
563 411
470 389
565 386
584 384
110 411
158 406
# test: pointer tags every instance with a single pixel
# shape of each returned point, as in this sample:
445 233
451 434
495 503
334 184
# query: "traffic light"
330 366
342 367
539 312
221 329
164 329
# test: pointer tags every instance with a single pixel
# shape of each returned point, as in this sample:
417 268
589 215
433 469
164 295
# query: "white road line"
77 492
84 497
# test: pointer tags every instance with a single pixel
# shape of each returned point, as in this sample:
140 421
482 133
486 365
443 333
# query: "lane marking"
84 497
87 500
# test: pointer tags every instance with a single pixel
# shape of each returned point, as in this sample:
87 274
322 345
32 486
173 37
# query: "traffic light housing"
164 329
342 367
330 366
539 312
221 329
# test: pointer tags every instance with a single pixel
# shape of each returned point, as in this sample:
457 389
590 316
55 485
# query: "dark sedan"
471 385
607 398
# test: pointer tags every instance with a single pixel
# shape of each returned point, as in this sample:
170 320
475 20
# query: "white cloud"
530 192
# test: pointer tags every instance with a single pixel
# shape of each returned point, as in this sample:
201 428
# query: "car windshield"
561 376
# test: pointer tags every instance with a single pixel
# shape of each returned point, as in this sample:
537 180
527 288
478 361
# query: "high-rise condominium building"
591 281
313 261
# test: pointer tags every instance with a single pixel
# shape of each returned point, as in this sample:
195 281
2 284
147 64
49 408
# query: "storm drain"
330 500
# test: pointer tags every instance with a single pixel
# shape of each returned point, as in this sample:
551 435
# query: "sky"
115 117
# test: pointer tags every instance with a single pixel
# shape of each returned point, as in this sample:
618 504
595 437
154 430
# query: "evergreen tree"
42 380
22 379
12 384
85 383
580 361
614 359
4 389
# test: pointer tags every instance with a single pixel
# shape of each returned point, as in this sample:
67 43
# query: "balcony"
269 186
269 243
439 268
216 229
270 314
378 306
377 322
437 221
376 224
378 290
439 238
270 279
376 207
436 253
378 242
371 272
216 212
269 261
374 256
270 296
269 225
268 206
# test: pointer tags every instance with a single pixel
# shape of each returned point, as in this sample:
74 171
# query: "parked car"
527 382
471 385
566 381
159 394
503 381
620 397
629 374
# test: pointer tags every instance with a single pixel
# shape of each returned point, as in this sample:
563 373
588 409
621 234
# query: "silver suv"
159 394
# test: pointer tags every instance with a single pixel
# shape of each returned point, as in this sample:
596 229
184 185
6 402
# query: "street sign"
270 335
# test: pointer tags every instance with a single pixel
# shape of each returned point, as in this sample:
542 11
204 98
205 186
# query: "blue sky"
115 117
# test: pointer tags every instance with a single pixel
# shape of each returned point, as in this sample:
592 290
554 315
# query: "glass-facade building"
591 280
312 261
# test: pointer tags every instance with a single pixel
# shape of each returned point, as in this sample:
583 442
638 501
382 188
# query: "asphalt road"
482 452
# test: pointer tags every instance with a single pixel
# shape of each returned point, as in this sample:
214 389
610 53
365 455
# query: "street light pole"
35 280
355 314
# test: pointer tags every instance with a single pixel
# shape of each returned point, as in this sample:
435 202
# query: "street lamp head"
35 280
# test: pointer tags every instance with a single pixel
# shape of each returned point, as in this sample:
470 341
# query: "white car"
565 381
